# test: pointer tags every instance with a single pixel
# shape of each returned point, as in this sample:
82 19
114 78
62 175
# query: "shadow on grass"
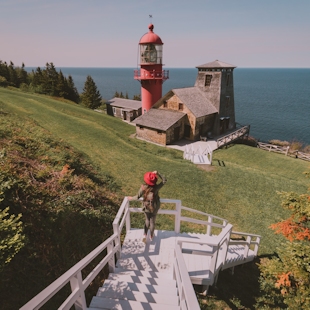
235 291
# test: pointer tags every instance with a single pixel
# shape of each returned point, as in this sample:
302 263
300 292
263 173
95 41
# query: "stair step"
119 304
144 273
127 294
144 288
142 280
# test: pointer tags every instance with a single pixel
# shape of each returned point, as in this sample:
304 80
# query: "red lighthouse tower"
151 73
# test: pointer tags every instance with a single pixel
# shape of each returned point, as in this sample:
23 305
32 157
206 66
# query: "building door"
125 115
187 131
224 124
176 133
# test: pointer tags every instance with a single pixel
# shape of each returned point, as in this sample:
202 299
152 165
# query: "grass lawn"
244 190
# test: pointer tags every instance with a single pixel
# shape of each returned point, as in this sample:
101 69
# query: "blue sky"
106 33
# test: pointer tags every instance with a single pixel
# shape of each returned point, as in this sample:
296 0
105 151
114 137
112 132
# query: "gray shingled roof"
195 100
216 64
159 119
124 103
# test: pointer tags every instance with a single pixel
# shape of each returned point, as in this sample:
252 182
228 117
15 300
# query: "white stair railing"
190 152
113 247
187 295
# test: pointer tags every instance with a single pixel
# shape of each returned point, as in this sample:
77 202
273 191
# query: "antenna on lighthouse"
151 16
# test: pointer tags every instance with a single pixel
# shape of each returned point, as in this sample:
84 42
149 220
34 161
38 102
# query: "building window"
208 80
227 101
114 111
180 106
165 104
159 132
141 127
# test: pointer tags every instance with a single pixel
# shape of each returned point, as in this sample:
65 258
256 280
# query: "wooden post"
177 219
111 262
77 283
209 227
247 247
118 242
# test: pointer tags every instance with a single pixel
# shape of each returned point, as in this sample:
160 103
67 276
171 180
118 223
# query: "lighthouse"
151 74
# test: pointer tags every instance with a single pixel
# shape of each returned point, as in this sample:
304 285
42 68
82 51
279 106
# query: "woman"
151 201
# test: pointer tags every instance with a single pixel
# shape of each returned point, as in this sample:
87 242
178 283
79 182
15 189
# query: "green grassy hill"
244 190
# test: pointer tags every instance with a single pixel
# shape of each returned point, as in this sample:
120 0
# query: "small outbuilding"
125 109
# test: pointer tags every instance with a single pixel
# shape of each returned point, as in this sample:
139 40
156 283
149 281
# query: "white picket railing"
74 277
198 155
113 247
187 296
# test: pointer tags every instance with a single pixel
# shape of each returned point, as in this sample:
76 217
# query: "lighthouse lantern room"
151 75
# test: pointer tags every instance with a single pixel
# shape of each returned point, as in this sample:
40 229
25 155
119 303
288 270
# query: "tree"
61 86
13 79
137 97
72 91
116 94
285 279
90 97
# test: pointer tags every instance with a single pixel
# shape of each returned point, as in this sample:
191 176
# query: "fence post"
247 247
112 259
77 283
177 219
118 240
127 214
209 226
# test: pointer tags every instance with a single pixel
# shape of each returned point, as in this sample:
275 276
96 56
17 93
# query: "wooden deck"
157 274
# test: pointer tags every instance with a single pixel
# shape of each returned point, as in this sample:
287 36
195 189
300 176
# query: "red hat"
150 178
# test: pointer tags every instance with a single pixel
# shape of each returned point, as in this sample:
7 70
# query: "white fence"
112 246
198 155
283 150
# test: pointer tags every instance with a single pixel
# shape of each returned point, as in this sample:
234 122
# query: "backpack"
149 199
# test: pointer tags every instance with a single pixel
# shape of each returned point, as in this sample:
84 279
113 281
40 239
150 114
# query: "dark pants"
150 219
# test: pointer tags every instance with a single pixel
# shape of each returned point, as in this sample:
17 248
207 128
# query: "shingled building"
193 112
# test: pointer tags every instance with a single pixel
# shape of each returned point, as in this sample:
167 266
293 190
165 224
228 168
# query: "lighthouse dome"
151 37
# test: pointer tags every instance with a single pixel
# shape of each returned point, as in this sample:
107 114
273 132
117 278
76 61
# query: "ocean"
274 102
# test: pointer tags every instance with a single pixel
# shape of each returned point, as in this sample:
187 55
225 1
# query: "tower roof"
216 64
150 37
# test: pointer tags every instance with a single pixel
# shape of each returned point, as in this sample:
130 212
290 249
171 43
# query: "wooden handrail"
185 288
74 276
113 246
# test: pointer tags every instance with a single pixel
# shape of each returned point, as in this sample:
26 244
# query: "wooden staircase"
136 289
158 274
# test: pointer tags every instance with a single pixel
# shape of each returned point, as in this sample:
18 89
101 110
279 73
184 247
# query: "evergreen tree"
13 79
22 75
72 91
90 97
61 86
116 94
4 71
126 97
137 97
50 78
